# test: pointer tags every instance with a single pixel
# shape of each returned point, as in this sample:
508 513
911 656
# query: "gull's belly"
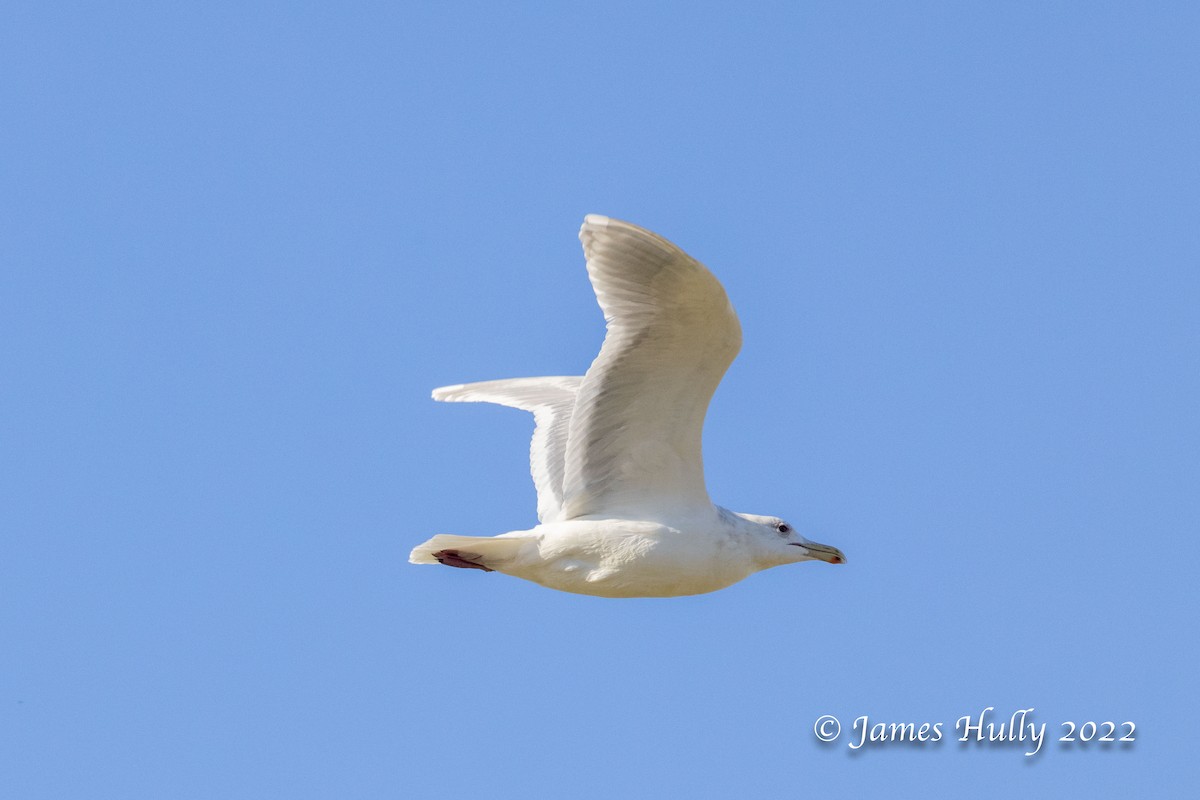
620 558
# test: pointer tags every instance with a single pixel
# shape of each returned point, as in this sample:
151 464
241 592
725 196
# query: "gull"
622 504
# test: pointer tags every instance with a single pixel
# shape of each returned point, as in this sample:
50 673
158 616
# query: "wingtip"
592 223
442 392
597 227
595 219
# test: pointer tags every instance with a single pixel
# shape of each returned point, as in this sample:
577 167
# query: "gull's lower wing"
634 441
551 400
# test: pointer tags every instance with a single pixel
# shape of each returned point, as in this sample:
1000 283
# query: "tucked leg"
454 558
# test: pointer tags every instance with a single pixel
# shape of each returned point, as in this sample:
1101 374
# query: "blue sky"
239 244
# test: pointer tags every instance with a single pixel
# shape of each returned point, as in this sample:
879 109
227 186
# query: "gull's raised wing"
551 400
634 441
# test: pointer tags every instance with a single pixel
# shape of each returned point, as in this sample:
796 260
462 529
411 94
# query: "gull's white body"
616 453
618 557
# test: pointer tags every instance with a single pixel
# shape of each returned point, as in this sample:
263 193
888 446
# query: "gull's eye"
783 528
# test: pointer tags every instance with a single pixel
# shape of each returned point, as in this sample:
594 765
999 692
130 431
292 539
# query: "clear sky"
241 242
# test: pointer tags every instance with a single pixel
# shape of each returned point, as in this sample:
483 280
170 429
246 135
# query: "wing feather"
633 441
551 400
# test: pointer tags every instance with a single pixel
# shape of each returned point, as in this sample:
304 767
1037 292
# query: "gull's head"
777 542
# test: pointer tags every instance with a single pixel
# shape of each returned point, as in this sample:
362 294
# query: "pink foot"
453 558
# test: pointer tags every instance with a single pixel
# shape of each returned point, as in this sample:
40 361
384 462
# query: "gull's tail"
487 552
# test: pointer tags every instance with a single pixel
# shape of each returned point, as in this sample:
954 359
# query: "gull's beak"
823 552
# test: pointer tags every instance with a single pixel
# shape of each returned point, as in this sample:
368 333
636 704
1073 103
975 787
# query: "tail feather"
490 551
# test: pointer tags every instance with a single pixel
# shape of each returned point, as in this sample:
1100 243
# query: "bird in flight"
615 457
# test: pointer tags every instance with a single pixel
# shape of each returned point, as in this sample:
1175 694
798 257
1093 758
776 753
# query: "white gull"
616 453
